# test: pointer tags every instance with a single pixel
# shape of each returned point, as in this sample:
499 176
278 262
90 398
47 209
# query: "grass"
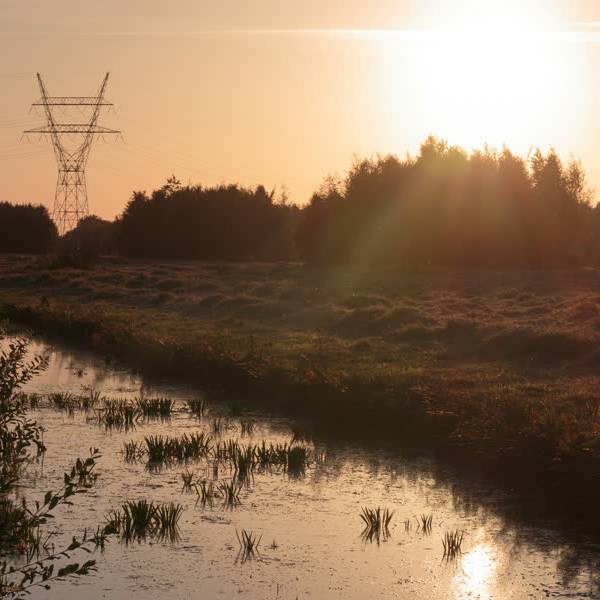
249 543
501 366
452 543
118 414
377 523
161 449
155 407
230 492
136 520
247 427
424 523
197 406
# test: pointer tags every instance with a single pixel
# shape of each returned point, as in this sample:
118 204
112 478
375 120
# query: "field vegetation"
498 365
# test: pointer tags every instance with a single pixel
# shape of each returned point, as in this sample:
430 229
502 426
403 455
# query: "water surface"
311 531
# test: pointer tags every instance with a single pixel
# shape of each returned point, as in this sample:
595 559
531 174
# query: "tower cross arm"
72 128
71 101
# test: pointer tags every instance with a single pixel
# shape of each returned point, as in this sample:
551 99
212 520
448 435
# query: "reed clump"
197 406
137 520
377 524
452 543
161 449
156 407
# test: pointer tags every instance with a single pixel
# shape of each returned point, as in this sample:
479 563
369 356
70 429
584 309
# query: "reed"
230 492
206 492
249 543
139 519
197 406
162 449
155 407
377 522
118 414
246 427
425 523
452 543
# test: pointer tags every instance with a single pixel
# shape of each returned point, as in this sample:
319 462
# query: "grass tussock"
156 407
452 544
376 524
140 519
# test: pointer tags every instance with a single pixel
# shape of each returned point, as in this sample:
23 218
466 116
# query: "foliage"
21 527
225 222
26 228
448 207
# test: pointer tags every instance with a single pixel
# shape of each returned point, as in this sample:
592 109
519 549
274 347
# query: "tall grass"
452 543
162 449
155 407
137 520
376 523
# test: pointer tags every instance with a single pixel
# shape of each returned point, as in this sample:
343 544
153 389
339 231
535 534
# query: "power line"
72 143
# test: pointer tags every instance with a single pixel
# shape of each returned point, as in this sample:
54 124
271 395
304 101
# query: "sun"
483 76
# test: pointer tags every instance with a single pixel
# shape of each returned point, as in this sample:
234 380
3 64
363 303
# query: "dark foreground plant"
377 524
138 520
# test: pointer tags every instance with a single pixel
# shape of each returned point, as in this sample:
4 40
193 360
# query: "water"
311 544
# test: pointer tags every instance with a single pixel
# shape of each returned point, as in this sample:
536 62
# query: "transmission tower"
72 143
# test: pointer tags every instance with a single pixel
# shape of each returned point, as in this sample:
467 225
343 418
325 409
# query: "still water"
311 530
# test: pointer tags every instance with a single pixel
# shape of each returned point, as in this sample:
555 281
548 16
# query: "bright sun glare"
485 75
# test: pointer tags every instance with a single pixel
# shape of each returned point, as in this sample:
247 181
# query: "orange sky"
284 93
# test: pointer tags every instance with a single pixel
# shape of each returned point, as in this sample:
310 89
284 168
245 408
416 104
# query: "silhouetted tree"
92 235
448 207
26 228
225 222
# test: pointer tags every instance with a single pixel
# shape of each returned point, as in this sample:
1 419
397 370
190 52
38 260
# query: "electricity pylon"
72 143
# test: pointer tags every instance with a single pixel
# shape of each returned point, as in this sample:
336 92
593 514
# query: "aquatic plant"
249 543
206 492
243 459
188 481
230 492
90 401
64 401
377 523
189 446
246 427
197 406
133 450
218 426
118 414
452 543
155 407
138 519
424 523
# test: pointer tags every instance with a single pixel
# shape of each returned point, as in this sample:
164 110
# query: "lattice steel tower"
72 143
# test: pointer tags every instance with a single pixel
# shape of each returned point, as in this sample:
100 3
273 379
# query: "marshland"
280 509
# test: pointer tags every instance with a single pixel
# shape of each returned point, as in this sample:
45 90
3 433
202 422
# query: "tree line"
444 207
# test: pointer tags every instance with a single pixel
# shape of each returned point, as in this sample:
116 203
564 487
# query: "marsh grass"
137 520
377 523
118 414
452 544
424 523
249 543
188 478
133 451
155 407
247 427
163 449
230 492
206 492
64 401
197 406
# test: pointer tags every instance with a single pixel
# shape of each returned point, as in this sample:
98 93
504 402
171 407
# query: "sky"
285 93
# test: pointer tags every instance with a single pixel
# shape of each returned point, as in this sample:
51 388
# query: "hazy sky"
284 93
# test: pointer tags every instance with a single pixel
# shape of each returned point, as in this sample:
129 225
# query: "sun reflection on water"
476 573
